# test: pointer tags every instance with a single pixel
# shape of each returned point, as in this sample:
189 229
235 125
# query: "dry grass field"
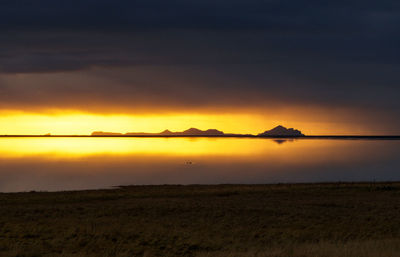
285 220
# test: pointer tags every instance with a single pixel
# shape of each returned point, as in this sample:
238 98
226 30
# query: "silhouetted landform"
282 131
279 132
188 132
101 133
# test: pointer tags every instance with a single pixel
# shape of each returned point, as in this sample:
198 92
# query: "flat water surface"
53 164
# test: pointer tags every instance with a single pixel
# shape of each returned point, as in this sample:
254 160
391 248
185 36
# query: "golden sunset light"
84 123
276 151
64 148
200 128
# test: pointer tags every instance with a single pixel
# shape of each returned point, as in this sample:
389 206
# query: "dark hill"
188 132
198 132
282 131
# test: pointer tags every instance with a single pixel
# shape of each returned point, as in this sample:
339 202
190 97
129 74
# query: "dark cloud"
275 15
53 35
200 54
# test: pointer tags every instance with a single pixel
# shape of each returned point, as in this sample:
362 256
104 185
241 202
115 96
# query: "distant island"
188 132
282 131
279 131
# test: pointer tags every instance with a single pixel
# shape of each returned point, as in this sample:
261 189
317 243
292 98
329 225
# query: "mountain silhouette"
277 131
101 133
188 132
282 131
167 133
198 132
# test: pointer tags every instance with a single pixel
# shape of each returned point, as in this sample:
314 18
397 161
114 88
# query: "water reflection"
86 163
78 147
282 141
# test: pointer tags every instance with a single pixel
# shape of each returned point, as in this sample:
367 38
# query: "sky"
324 67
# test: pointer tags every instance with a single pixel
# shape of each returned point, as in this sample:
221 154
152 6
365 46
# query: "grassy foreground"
224 220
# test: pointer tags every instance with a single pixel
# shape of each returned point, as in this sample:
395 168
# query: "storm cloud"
201 54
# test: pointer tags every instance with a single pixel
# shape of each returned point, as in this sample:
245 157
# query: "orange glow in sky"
81 123
84 123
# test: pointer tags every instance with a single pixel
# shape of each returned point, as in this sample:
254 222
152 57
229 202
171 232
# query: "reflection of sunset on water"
290 151
82 163
78 147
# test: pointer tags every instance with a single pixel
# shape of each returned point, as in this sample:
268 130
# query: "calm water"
87 163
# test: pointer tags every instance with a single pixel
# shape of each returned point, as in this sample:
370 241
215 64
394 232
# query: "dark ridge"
282 131
188 132
279 132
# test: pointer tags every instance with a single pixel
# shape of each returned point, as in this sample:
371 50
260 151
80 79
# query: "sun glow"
85 124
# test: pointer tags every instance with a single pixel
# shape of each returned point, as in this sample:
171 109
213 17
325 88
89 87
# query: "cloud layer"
201 54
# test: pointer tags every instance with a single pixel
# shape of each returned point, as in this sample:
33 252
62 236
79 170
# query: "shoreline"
373 137
198 186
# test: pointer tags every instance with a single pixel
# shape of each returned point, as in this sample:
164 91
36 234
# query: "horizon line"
218 136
